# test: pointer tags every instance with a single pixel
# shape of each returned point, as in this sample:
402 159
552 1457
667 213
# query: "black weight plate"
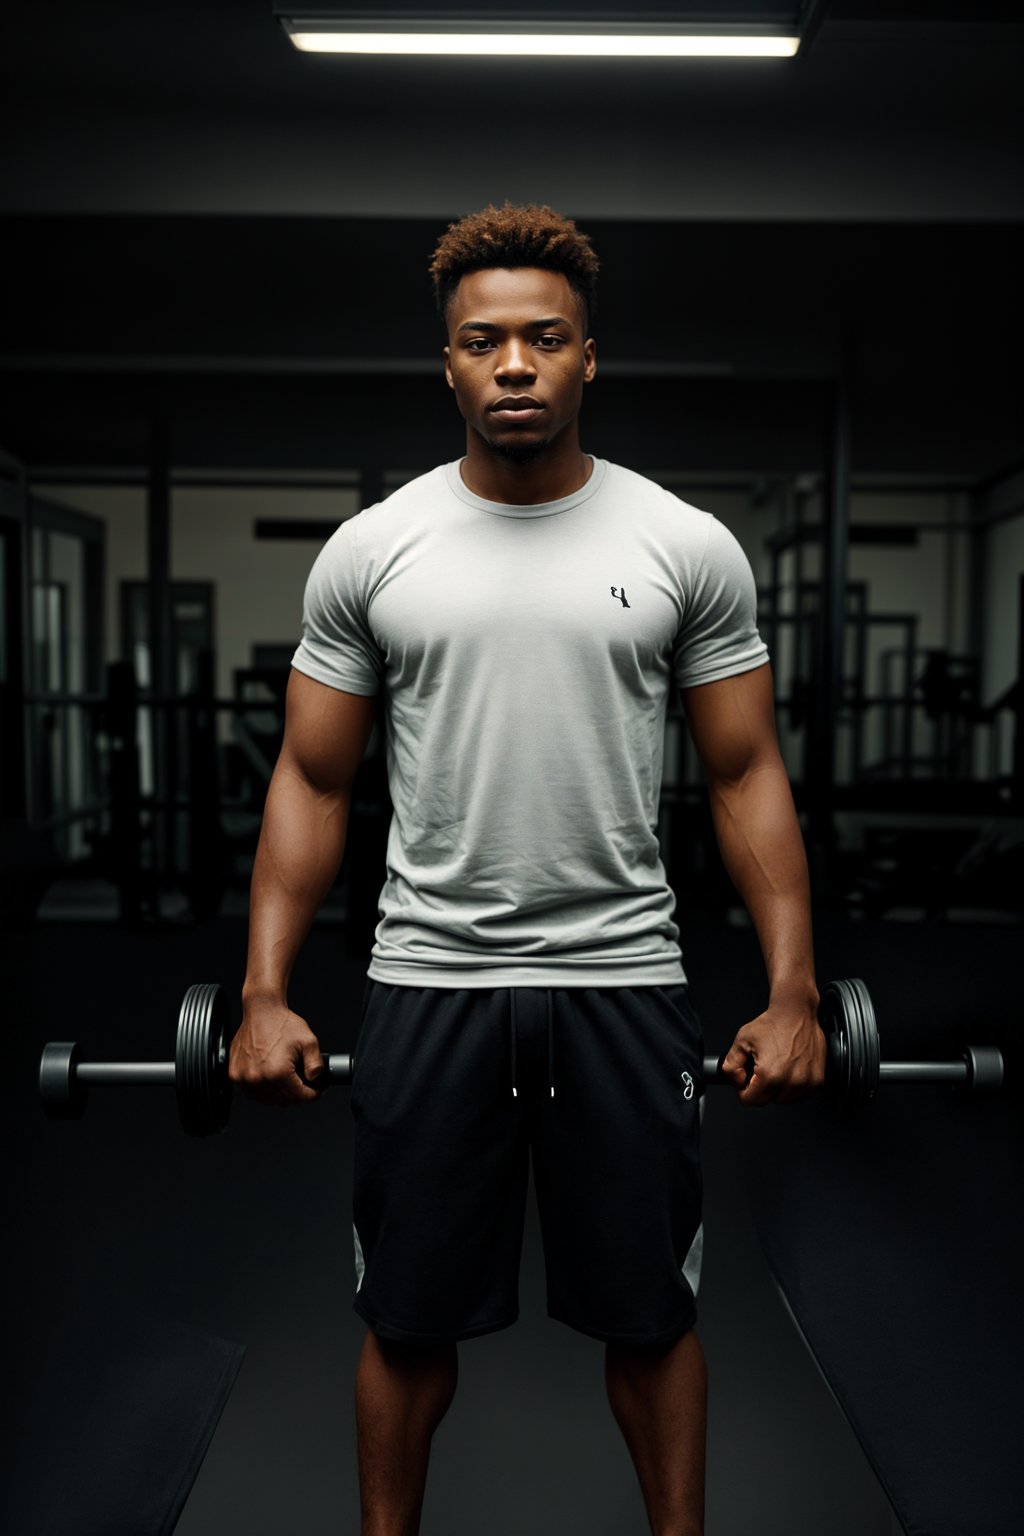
848 1019
200 1061
62 1094
832 1018
870 1058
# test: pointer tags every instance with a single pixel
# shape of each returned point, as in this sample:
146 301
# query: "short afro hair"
531 236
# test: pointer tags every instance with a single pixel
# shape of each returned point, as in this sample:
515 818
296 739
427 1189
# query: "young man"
525 611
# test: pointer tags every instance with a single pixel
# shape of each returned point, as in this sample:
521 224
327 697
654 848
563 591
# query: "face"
517 359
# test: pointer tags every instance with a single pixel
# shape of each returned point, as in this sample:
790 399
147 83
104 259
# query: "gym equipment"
199 1071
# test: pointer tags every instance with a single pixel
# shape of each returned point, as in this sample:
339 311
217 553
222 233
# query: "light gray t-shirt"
526 654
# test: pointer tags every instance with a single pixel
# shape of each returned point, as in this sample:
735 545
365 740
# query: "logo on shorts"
621 596
687 1085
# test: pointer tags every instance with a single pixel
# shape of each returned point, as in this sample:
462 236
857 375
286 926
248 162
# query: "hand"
779 1057
275 1056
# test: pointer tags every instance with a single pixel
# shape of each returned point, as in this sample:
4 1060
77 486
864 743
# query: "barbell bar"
199 1072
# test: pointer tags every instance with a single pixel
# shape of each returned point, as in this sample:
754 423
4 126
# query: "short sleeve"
337 646
718 636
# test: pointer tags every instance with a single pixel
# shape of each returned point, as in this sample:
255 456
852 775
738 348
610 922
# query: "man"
525 611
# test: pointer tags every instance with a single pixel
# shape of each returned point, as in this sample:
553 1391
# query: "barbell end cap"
985 1070
339 1068
62 1094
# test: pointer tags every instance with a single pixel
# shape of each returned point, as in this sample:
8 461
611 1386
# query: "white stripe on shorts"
360 1265
691 1268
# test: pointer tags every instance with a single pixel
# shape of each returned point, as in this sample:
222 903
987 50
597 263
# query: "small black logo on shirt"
621 596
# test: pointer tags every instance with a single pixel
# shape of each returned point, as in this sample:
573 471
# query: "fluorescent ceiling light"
556 43
518 34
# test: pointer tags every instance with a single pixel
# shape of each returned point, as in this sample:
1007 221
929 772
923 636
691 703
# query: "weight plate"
848 1018
200 1061
62 1094
866 1057
832 1017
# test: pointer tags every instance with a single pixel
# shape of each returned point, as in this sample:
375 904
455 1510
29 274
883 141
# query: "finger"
736 1066
753 1087
759 1091
297 1091
313 1070
287 1098
282 1090
802 1082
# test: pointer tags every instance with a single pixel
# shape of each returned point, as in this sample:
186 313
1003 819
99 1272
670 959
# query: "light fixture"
513 33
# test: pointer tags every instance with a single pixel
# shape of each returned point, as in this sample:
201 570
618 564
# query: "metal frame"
389 19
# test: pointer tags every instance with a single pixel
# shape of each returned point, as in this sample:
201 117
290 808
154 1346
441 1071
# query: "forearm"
300 849
762 848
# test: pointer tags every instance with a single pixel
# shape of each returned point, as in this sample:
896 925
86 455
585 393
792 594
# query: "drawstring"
551 1043
512 1032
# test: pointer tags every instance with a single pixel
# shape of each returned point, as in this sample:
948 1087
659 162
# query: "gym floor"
247 1236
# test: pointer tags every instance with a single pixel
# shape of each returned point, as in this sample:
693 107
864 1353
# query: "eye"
556 339
477 344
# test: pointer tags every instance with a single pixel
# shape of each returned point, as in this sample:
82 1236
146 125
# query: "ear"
448 367
589 359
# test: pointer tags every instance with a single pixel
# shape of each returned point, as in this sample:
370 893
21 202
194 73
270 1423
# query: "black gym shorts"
452 1089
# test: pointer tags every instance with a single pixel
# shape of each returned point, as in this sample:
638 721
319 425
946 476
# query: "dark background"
215 257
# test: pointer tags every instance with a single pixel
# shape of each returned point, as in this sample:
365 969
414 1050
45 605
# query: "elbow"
737 774
321 781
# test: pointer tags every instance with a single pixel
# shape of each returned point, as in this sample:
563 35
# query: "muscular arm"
301 844
733 727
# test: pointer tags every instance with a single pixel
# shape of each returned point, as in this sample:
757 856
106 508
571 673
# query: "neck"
561 469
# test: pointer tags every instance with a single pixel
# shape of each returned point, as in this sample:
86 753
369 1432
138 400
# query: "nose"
514 361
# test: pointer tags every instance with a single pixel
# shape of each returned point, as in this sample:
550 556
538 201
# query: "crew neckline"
453 474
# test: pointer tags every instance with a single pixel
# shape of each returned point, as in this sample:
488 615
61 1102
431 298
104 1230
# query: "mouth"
516 408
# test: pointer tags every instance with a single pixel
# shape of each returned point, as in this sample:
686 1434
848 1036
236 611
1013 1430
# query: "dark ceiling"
199 220
899 111
226 53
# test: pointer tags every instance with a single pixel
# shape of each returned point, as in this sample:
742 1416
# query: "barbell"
199 1071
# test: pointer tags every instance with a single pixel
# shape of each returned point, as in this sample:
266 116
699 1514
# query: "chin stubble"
521 453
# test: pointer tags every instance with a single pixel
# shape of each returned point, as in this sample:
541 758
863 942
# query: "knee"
427 1371
638 1362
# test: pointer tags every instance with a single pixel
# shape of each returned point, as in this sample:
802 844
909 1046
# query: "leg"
658 1396
402 1393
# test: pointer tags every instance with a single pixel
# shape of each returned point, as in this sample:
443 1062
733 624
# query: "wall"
1003 568
1002 571
259 584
